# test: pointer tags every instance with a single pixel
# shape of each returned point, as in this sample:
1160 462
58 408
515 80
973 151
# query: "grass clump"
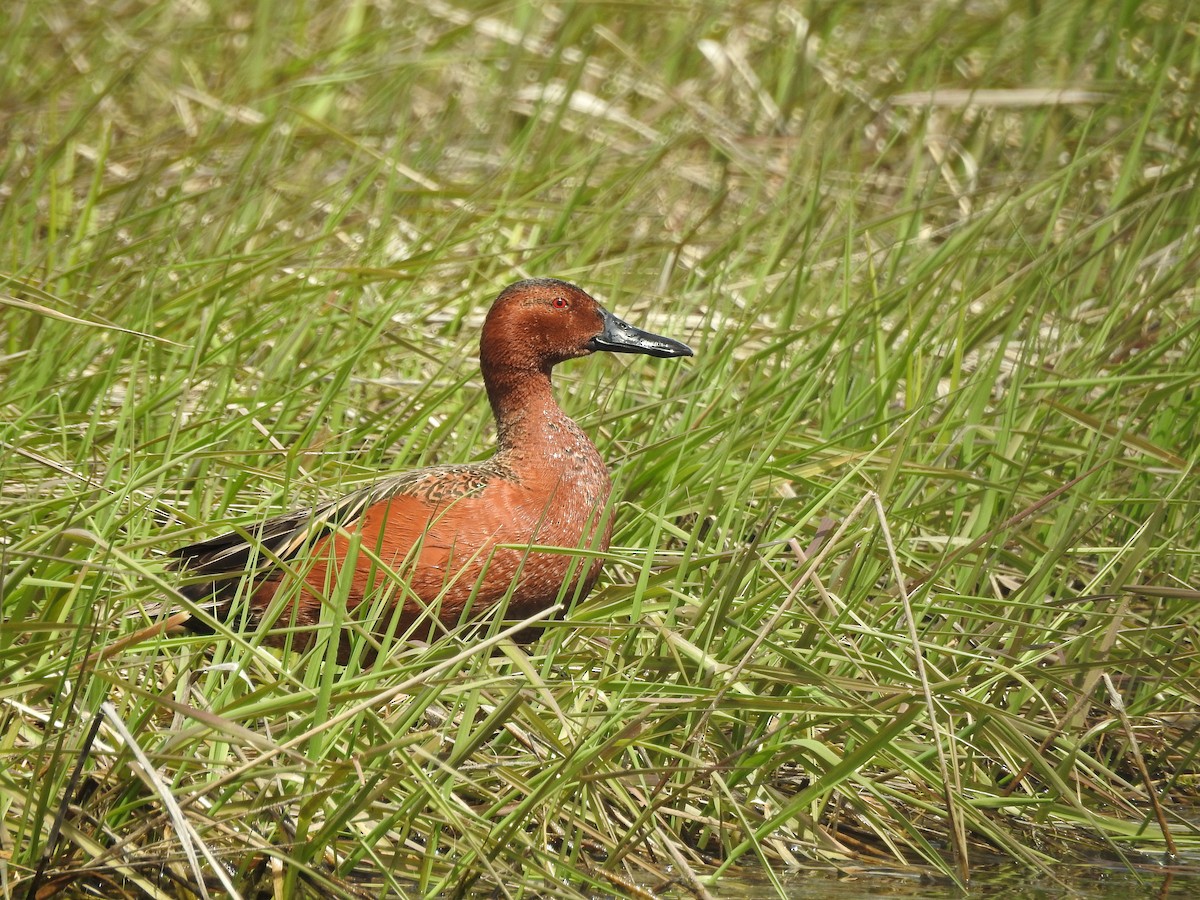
905 568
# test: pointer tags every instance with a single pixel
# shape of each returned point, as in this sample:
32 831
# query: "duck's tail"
212 570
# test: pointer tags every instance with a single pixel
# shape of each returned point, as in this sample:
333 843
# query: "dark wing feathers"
214 567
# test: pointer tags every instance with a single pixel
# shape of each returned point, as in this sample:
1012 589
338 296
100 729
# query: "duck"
443 545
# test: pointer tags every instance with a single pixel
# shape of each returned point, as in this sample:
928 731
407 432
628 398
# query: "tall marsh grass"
907 559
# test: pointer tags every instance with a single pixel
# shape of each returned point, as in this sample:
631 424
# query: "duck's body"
459 537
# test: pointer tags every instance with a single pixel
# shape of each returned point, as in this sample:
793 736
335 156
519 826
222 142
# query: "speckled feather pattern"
455 536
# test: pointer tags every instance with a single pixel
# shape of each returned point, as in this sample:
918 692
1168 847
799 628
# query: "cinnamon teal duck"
448 541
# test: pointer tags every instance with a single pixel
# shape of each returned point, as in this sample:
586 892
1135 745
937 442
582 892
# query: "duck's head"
539 323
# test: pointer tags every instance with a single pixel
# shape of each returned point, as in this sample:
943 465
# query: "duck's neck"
530 424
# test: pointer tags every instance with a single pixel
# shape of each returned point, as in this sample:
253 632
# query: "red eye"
561 303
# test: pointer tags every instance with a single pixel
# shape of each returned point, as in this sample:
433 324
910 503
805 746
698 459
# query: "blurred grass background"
906 562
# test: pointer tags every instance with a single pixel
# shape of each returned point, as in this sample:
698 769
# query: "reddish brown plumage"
458 536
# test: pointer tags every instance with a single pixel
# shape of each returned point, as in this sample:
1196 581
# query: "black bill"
619 336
